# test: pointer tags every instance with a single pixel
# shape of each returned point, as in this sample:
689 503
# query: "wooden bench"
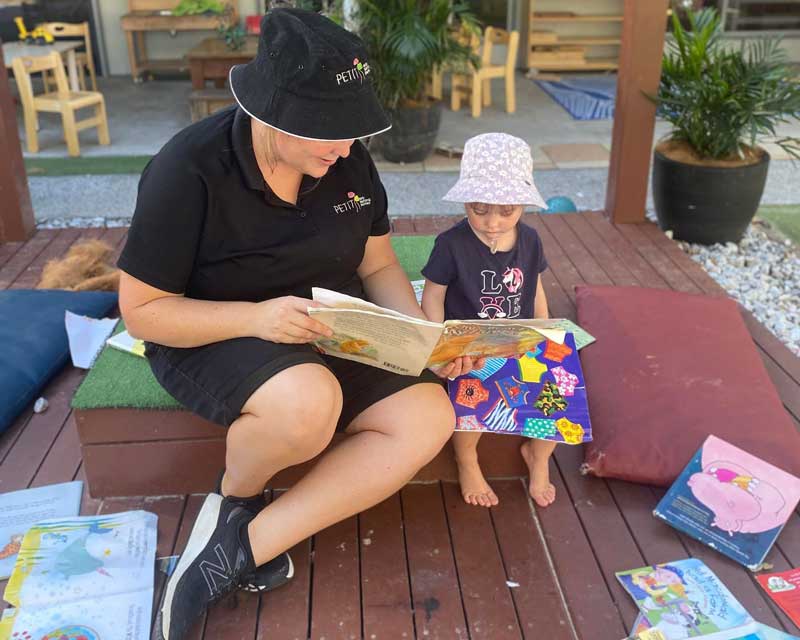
145 15
204 102
133 452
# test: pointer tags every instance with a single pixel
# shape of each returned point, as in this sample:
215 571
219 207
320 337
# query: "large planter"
706 204
413 133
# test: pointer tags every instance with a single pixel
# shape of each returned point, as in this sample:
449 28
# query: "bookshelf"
572 41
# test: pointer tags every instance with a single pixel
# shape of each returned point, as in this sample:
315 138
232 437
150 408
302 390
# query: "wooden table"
13 50
155 15
211 60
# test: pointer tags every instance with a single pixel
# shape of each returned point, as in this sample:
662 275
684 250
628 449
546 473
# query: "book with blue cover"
684 599
643 630
732 501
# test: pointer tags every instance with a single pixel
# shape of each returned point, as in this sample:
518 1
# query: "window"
743 16
491 12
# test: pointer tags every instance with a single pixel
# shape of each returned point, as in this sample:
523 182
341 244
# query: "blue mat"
584 97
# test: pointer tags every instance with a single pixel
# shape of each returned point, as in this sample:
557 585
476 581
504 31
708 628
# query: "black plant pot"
413 133
706 204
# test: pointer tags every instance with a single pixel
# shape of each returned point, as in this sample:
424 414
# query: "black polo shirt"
208 226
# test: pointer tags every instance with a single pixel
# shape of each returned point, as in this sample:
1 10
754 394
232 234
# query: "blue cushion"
33 340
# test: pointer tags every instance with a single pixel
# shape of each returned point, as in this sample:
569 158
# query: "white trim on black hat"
288 133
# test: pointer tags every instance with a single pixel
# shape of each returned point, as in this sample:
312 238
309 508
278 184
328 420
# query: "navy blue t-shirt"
485 285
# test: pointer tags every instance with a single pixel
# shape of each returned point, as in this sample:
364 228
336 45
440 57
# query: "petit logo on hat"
359 71
355 203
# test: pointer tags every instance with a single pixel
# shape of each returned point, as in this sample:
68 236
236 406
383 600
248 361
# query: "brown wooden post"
16 211
640 57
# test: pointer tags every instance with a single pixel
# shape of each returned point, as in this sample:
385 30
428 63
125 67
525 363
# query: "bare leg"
385 450
474 488
536 454
278 428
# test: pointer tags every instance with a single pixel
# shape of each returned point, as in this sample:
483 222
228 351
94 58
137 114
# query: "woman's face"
310 157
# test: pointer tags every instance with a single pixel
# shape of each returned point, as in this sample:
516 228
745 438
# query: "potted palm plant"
709 173
405 41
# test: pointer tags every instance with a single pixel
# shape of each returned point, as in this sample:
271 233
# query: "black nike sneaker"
270 575
216 558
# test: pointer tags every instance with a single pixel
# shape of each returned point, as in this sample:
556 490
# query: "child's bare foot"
474 488
540 488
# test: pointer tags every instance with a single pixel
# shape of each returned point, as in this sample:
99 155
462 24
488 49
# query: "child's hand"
459 367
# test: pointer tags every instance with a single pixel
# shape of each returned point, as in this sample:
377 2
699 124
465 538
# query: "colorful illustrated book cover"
684 599
19 510
539 395
784 589
582 337
87 577
387 339
731 501
643 630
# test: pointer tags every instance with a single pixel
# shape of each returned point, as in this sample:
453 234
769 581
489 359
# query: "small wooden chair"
61 101
478 82
434 86
83 59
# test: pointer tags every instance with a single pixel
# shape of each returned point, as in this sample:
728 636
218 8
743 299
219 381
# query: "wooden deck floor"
422 564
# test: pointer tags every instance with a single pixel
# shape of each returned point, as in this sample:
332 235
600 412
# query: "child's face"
493 223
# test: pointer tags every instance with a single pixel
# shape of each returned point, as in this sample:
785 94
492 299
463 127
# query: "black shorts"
216 380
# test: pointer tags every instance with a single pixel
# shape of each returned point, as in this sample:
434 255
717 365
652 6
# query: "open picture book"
387 339
87 577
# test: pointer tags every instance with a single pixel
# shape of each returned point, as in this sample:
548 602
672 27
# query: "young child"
489 266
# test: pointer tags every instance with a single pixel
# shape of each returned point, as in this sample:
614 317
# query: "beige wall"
159 44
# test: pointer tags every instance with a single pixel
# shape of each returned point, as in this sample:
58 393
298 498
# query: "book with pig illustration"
732 501
541 394
388 339
83 578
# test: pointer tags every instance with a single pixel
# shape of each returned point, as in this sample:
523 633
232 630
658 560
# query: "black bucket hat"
310 79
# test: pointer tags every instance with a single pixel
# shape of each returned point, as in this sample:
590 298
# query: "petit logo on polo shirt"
355 203
359 71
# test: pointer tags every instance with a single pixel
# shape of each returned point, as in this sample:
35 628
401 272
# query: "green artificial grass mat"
413 252
96 165
119 379
786 218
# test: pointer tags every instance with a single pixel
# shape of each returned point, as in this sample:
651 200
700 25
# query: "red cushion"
667 370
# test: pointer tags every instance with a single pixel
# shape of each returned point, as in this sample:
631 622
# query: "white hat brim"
511 192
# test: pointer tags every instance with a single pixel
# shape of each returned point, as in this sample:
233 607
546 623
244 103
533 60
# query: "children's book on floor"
643 631
784 588
387 339
685 599
541 394
89 577
19 510
732 501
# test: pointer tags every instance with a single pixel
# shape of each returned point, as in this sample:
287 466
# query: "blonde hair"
267 146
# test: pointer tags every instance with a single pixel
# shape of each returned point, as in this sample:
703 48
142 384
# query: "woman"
237 217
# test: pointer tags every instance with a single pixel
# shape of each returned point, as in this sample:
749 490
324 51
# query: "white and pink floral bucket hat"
496 168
